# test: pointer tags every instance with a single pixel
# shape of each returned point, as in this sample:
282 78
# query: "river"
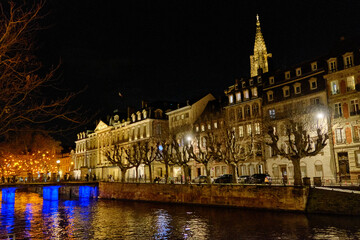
31 217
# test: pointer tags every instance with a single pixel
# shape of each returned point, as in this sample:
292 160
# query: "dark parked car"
225 178
244 179
260 178
200 179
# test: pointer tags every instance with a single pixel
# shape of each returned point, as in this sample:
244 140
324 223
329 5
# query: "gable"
101 125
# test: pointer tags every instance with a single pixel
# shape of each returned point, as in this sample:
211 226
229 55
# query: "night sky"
179 50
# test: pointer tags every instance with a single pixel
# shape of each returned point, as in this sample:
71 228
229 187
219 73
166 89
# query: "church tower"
259 61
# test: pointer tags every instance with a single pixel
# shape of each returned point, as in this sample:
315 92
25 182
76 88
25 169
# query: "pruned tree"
181 156
204 155
300 144
165 154
135 158
120 156
24 83
148 155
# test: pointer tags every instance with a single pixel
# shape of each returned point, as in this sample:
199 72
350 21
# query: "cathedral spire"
259 61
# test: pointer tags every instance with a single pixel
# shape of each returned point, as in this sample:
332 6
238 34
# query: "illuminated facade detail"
259 61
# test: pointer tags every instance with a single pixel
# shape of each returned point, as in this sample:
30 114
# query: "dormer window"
271 80
314 66
297 88
286 91
197 128
231 99
270 95
251 82
238 97
243 84
298 72
144 114
246 94
215 125
202 127
287 75
348 59
259 79
209 126
158 114
332 65
313 83
133 117
138 116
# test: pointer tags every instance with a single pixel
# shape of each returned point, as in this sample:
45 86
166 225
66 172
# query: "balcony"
340 141
354 113
335 91
350 89
356 139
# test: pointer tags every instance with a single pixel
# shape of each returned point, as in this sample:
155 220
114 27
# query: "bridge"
51 190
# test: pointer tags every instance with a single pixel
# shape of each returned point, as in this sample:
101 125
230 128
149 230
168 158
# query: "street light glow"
320 115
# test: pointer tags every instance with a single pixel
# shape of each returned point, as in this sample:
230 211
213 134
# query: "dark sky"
178 50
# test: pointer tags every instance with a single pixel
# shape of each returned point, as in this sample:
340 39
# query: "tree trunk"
208 177
137 174
186 173
166 172
123 172
233 173
150 173
297 172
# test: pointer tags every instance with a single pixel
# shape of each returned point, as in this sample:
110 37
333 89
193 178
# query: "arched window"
255 108
247 111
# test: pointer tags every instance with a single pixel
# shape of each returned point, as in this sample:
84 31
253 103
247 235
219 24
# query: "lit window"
215 125
270 96
202 128
182 116
272 113
315 101
254 92
297 88
241 131
249 129
251 82
257 128
259 79
314 66
246 94
209 126
231 98
354 107
238 96
313 83
350 82
286 91
271 80
340 135
334 87
287 75
298 72
348 60
197 128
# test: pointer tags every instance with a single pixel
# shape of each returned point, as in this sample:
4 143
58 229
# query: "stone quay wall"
246 196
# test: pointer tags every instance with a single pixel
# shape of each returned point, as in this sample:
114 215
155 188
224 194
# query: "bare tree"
135 158
120 156
181 156
165 154
148 155
300 144
23 80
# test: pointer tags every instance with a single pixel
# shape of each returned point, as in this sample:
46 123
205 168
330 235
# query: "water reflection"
32 217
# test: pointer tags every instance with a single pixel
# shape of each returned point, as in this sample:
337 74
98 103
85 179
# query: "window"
251 82
314 66
340 136
231 115
241 131
255 109
287 75
202 127
356 133
318 169
271 80
314 101
298 72
138 116
254 92
332 65
348 59
354 107
297 88
334 85
272 113
257 128
313 83
238 97
186 115
243 84
286 91
215 125
247 111
231 99
182 116
357 157
197 128
259 79
246 94
270 96
249 129
239 113
209 126
338 110
350 83
303 170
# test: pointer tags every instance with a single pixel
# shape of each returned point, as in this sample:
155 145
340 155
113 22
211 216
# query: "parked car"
200 179
225 178
244 179
260 178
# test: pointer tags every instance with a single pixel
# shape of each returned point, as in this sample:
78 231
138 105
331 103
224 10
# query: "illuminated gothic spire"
259 61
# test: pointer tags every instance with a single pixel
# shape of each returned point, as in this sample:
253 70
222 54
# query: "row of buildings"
329 84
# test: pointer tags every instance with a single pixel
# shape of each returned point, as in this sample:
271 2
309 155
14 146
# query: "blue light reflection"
51 193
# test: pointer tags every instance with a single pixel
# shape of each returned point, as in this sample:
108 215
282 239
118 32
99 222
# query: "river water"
32 217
